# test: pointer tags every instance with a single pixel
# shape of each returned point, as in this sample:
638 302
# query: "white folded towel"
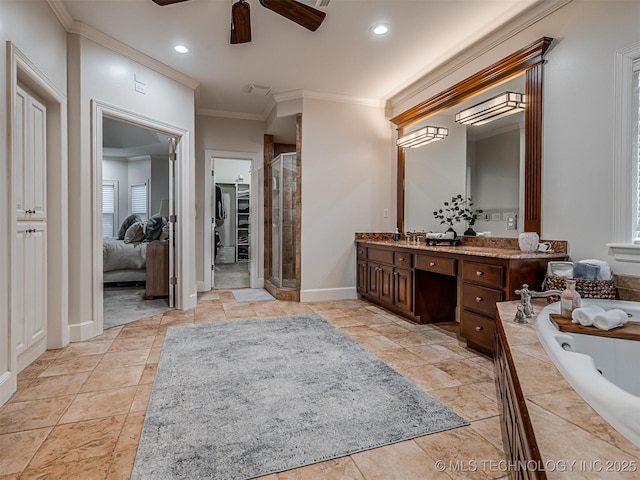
610 319
586 315
605 269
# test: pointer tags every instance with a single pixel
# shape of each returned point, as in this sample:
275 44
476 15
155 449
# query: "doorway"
136 182
232 207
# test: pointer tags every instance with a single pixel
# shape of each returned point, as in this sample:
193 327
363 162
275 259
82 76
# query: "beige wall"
346 173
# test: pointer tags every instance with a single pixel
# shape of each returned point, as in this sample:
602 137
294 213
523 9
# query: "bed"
123 262
124 259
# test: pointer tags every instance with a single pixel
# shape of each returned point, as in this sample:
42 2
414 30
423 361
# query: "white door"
30 168
29 257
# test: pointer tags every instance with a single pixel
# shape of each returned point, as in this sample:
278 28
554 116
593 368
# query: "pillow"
130 220
154 228
135 233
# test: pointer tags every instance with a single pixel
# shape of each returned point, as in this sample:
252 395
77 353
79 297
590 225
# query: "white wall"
577 184
98 73
46 52
229 135
229 170
347 179
159 188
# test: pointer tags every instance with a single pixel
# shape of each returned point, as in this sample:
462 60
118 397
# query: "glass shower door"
276 202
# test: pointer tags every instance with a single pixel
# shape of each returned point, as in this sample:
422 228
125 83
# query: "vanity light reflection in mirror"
484 162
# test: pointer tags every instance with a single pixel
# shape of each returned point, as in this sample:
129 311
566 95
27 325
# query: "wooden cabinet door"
373 279
403 289
361 277
386 283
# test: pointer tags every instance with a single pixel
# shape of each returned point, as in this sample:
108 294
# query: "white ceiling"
341 58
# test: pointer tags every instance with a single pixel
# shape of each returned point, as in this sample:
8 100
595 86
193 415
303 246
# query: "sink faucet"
525 298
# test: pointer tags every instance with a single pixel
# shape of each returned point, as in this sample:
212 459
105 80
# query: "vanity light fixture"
181 49
499 106
422 137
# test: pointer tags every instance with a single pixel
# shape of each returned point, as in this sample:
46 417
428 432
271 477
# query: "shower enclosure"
282 198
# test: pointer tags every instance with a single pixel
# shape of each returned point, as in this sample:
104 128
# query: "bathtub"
605 372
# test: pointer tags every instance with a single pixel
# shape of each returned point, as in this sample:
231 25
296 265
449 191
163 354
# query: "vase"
450 229
528 241
470 232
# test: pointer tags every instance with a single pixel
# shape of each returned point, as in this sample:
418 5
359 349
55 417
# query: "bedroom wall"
577 187
46 51
99 73
346 167
159 188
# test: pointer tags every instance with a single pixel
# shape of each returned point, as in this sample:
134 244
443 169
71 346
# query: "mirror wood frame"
528 60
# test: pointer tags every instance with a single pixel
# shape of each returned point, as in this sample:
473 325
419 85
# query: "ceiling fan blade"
162 3
300 13
240 23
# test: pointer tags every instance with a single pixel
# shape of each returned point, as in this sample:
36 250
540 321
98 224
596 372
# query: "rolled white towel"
610 319
586 315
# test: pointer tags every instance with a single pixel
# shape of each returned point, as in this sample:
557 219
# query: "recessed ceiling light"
380 29
181 49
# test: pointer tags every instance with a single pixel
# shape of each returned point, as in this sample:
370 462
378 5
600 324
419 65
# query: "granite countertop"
566 428
479 251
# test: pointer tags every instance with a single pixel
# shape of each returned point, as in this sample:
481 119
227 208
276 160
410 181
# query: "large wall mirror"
497 164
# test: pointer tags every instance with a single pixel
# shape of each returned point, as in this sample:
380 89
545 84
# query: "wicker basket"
586 288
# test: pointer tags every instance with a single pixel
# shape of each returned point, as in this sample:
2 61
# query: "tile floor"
78 411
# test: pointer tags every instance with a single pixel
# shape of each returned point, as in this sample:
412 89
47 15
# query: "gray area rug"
252 295
121 306
239 400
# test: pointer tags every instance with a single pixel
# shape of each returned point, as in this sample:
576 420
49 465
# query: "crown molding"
208 112
291 95
500 35
95 35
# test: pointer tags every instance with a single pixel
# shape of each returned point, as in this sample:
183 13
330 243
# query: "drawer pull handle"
361 252
395 273
401 259
479 299
432 264
479 273
479 328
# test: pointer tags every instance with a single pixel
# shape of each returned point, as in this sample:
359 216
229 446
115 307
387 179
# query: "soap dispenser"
396 235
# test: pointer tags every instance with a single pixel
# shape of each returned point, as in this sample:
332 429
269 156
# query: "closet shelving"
243 215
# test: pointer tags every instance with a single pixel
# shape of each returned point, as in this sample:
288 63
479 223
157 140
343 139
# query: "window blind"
108 208
635 174
139 201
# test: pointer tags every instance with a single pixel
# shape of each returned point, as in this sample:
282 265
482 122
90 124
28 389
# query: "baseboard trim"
327 294
8 386
201 286
80 332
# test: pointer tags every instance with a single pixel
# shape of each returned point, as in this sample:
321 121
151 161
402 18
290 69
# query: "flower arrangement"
457 210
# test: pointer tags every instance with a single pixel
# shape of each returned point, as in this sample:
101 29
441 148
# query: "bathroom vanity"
429 284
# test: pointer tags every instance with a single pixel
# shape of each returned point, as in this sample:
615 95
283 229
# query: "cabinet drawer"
477 329
361 252
382 256
402 259
483 273
480 299
446 266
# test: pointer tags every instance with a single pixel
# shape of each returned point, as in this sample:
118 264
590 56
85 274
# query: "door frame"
255 243
98 111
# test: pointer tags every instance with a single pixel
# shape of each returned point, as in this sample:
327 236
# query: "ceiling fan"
304 15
